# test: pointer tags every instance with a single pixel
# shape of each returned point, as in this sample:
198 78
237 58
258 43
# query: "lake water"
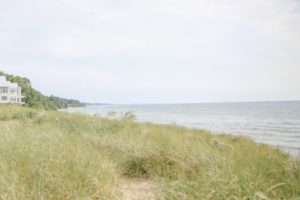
273 123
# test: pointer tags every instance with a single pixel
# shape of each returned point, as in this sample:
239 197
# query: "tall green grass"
55 155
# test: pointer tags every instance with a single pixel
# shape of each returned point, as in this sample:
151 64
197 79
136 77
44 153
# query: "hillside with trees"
36 99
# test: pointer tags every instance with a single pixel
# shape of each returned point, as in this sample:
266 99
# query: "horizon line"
211 102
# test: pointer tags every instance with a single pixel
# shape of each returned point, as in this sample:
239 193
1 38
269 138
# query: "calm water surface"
273 123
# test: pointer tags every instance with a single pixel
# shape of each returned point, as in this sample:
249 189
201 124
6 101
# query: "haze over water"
273 123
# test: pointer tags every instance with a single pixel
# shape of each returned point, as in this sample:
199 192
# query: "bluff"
36 99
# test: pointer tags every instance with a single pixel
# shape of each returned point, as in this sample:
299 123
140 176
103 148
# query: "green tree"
34 98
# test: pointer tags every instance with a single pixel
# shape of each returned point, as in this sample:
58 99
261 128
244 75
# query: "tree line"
36 99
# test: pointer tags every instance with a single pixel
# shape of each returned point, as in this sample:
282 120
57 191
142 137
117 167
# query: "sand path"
139 189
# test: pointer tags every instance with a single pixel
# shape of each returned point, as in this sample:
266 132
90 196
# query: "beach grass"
58 155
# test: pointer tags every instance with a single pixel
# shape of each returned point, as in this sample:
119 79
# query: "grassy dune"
55 155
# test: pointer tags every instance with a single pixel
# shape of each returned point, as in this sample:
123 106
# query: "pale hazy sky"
154 51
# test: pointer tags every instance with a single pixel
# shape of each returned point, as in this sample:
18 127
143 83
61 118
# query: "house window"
4 98
3 90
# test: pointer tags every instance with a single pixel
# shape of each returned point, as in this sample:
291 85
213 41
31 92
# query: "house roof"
5 83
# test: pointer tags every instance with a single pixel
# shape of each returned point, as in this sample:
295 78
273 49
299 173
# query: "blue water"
273 123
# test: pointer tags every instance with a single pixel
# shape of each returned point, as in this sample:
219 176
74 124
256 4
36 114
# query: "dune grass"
56 155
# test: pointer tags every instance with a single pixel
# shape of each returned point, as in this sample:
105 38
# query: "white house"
10 92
